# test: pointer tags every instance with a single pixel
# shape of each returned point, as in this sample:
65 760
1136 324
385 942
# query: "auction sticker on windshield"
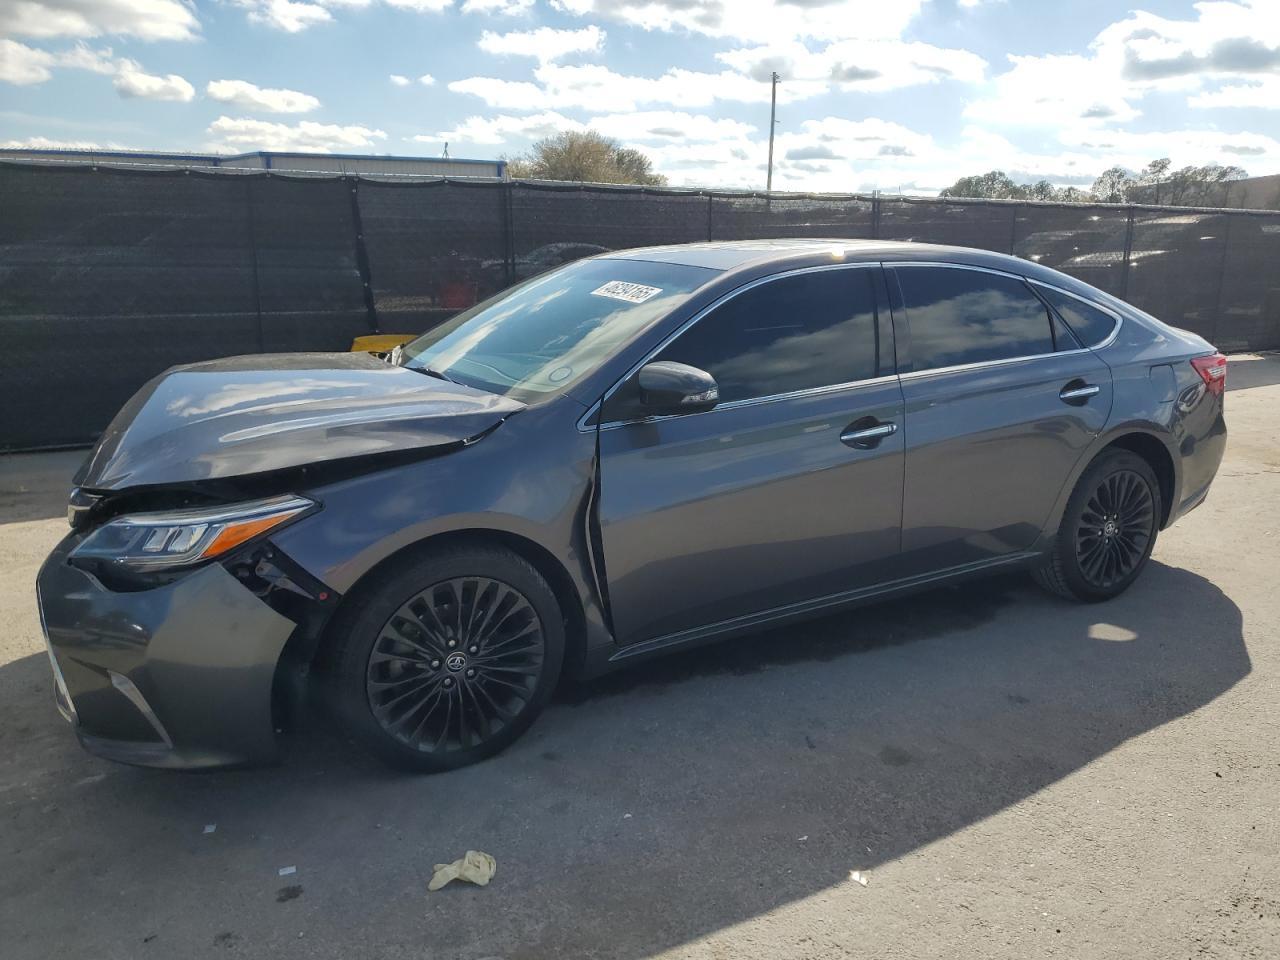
630 292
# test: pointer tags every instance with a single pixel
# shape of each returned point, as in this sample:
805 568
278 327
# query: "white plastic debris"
210 827
287 871
803 839
857 876
475 867
626 816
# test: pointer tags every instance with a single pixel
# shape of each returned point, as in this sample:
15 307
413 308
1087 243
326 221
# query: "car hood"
250 415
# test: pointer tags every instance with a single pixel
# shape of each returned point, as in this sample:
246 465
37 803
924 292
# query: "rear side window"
1090 325
794 333
959 316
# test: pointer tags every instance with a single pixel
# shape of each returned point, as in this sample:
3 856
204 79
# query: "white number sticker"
630 292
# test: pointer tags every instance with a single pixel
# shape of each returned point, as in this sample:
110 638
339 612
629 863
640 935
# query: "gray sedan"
625 456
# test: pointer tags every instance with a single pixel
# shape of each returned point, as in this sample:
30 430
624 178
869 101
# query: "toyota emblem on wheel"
455 662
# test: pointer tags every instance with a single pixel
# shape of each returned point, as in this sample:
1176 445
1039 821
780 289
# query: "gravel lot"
1016 777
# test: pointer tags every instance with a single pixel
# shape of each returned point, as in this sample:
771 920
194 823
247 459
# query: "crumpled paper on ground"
475 867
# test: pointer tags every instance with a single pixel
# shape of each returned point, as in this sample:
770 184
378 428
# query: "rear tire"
1108 530
450 659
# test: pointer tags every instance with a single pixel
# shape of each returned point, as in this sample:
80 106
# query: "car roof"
766 256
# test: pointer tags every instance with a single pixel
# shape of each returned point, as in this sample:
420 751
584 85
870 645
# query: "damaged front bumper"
178 674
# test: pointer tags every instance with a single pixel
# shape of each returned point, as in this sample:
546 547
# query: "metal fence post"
362 256
875 215
1222 276
710 206
1013 229
1128 250
508 231
253 253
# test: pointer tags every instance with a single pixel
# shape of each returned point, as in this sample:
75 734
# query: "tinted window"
1088 323
966 316
794 333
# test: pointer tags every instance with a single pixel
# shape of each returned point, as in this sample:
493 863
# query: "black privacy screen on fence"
109 276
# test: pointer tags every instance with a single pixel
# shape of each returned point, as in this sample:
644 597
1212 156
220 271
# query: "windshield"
542 336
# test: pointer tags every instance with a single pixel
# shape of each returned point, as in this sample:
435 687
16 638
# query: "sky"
895 95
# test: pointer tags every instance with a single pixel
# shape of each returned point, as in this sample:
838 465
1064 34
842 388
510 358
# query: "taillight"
1213 371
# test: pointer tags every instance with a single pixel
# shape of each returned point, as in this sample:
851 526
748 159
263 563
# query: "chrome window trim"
1117 317
584 427
1004 361
753 401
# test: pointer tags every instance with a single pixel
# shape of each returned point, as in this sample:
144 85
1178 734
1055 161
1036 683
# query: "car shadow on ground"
643 811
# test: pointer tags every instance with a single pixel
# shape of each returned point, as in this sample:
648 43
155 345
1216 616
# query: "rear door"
759 502
1001 402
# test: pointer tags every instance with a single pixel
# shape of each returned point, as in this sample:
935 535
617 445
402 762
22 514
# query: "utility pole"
773 112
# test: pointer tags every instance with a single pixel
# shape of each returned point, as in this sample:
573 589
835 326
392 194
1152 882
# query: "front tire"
450 659
1108 530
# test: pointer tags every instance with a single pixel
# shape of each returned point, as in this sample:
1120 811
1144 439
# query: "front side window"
959 316
807 330
539 338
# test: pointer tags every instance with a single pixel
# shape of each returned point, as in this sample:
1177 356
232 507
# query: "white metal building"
272 160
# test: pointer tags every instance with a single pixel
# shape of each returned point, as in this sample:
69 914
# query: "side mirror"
669 387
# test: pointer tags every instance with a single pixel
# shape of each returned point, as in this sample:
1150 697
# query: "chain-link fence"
109 275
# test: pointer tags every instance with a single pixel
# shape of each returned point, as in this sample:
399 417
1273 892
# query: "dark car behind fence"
108 275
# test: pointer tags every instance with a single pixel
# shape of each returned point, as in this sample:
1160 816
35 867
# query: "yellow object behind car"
380 342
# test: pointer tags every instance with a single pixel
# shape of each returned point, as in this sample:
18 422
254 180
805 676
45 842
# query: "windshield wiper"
432 373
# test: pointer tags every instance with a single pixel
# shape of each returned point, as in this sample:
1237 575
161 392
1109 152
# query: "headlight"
153 541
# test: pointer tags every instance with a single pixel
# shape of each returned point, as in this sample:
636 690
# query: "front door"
790 489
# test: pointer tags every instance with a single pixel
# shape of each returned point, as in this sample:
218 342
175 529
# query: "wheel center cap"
455 662
1108 528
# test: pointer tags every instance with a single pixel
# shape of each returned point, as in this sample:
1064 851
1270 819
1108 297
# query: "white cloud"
1053 91
669 125
22 65
45 143
244 134
495 130
505 8
597 88
756 21
294 16
132 81
82 57
1135 56
651 126
145 19
1263 94
858 65
427 80
400 81
420 6
287 15
244 94
544 43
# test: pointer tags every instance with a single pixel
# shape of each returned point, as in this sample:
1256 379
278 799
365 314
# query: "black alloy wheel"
455 664
1115 529
1108 529
448 658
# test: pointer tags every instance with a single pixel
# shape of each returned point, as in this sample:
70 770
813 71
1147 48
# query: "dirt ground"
1015 776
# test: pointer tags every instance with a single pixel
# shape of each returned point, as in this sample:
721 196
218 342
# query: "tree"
584 157
995 185
998 185
1188 187
1113 185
